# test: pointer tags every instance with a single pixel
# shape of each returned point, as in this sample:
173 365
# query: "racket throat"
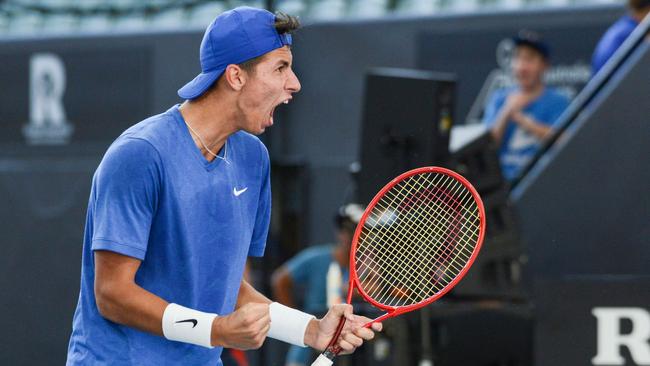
323 360
331 352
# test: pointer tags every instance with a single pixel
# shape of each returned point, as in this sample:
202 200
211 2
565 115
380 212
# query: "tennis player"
178 203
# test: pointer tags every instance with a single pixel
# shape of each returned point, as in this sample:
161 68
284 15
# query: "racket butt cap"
322 361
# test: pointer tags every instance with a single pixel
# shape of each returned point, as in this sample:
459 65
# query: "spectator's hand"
244 329
320 332
516 102
520 118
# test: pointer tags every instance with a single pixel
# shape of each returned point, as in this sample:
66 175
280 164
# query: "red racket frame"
392 311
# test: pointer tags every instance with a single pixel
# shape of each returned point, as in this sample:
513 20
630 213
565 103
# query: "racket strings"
429 262
425 241
445 247
413 280
410 282
393 253
393 238
418 237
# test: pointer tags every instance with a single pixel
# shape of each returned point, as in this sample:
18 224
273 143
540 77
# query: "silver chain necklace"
225 145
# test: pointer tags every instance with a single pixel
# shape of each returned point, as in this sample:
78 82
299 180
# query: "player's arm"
282 285
120 299
528 123
123 301
316 333
248 294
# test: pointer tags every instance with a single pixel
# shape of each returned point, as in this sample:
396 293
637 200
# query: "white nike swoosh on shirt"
238 192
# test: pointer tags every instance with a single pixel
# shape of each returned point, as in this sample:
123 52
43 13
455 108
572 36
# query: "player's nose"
293 84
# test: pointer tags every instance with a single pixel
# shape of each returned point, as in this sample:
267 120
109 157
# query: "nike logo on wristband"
193 321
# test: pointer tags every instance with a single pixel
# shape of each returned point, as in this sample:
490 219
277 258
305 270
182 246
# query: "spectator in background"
618 33
321 271
520 117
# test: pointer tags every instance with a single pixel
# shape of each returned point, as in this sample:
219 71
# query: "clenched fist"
244 329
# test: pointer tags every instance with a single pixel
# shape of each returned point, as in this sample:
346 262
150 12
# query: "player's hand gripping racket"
416 239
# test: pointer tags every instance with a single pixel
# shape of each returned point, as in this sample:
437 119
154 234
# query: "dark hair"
284 23
638 5
345 223
534 41
347 217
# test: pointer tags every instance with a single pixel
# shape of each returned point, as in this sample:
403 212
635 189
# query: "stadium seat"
367 8
201 15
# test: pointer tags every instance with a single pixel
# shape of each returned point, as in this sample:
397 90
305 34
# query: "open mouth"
270 121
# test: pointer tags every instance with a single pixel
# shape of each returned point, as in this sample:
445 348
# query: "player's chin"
261 130
256 130
264 125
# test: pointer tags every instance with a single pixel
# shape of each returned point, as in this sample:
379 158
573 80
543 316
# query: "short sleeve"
300 266
263 215
560 103
492 107
125 196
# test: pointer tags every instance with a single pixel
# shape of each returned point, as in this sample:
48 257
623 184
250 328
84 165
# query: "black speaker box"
407 117
498 269
474 155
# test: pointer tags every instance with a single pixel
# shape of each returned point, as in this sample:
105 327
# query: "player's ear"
235 77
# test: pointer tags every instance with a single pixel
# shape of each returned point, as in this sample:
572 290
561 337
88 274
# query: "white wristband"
322 361
288 325
188 325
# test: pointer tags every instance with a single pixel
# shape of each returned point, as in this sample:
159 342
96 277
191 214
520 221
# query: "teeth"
286 101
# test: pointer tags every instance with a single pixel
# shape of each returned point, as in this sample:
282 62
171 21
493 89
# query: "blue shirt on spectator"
611 41
191 222
518 146
309 270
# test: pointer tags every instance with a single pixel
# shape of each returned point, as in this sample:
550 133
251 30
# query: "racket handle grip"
322 360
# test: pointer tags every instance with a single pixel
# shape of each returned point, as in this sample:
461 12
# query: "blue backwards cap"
235 36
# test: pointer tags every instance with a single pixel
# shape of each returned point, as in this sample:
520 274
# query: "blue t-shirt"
191 222
611 41
309 270
518 146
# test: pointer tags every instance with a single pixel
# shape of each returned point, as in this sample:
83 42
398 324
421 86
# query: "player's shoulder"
155 129
141 142
250 145
249 140
129 153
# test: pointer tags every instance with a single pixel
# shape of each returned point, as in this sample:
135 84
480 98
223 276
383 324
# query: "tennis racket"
415 241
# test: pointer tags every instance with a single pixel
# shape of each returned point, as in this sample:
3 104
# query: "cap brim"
199 84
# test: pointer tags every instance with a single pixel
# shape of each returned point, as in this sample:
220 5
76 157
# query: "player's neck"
211 119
